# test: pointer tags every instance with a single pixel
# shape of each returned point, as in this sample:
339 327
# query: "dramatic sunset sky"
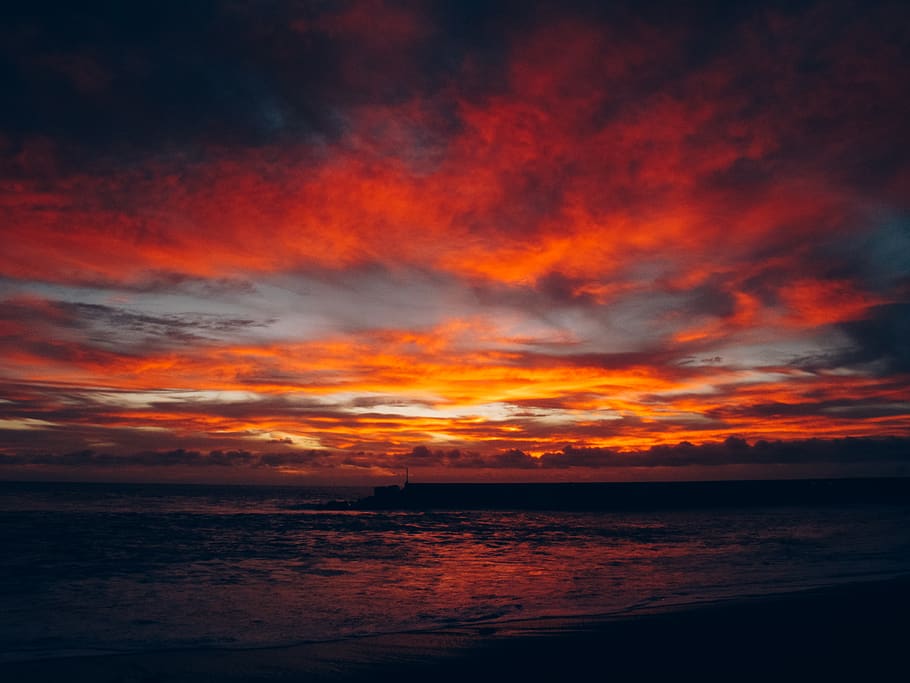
269 241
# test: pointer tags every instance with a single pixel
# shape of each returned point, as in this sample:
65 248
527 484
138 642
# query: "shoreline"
858 627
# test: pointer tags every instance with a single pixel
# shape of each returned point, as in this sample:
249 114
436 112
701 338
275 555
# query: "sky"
324 241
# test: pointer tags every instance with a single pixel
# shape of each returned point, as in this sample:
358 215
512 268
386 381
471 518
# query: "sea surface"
99 568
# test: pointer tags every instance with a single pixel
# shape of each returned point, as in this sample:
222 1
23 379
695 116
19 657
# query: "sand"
851 632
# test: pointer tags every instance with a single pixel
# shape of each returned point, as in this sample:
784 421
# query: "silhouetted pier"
638 495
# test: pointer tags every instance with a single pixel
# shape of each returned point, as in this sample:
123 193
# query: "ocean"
107 568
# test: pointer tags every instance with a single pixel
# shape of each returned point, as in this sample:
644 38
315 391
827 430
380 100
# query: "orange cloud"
617 236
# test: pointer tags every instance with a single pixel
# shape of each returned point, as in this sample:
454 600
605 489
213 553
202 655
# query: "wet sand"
855 631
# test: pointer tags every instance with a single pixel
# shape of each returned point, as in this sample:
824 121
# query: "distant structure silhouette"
639 495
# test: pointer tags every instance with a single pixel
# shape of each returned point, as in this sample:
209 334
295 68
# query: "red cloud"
649 201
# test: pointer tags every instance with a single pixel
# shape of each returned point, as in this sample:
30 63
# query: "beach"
855 630
153 584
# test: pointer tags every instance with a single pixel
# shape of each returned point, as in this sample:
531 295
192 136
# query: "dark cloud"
112 326
175 458
126 78
732 451
171 282
876 344
735 451
175 79
856 408
91 460
170 75
182 326
422 456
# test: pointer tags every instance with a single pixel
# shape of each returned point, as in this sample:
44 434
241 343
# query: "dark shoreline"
856 630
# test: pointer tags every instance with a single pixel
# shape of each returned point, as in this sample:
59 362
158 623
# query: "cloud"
731 451
105 327
868 454
880 340
542 173
169 77
496 229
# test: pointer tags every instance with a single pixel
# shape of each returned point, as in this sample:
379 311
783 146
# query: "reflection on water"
116 568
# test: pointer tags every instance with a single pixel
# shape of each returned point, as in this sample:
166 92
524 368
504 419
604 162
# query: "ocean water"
91 568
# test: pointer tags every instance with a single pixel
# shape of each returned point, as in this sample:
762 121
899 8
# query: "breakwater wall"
638 495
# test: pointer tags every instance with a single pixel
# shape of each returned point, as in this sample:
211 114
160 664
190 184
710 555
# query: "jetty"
619 496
